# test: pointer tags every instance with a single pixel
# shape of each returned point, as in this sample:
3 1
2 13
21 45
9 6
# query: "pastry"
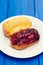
20 33
24 38
16 24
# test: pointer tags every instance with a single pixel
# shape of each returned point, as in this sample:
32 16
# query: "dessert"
20 32
16 24
24 38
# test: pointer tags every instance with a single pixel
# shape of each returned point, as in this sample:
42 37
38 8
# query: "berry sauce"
25 36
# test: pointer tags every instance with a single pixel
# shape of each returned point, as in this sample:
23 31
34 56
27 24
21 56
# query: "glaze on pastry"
24 38
20 32
16 24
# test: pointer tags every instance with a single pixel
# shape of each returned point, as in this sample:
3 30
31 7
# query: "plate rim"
9 19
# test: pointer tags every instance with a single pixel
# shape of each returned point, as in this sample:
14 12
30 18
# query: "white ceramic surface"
28 52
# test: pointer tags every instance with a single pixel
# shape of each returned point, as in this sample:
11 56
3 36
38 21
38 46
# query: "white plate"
28 52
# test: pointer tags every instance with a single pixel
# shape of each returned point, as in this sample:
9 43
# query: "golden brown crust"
15 25
22 46
5 32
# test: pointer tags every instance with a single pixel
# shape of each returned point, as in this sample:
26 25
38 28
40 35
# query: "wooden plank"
3 10
15 61
2 58
3 13
41 59
39 14
20 7
39 9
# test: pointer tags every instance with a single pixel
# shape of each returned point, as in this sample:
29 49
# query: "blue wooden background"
10 8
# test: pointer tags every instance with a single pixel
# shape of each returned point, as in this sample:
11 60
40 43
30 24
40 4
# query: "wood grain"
10 8
39 14
3 15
